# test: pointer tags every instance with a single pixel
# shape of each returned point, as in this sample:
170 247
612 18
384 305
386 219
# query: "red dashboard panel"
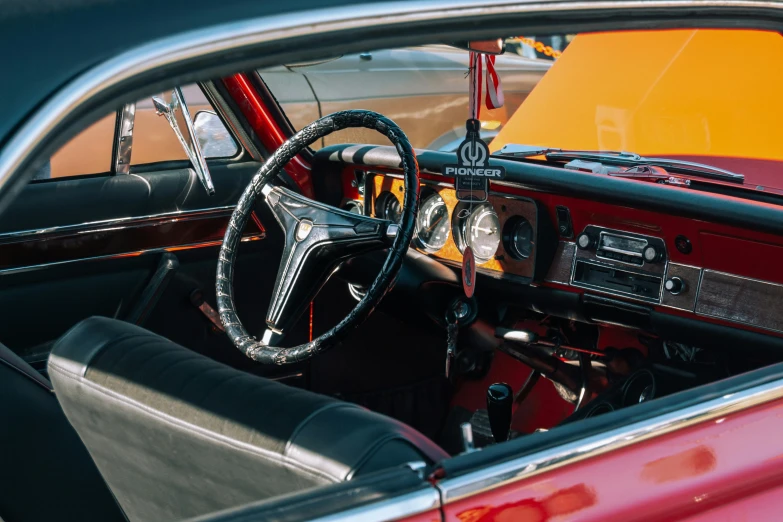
720 250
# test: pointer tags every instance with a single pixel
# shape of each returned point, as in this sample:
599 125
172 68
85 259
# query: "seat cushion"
45 470
176 434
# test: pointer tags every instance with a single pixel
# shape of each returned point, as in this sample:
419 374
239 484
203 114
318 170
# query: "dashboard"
503 231
633 255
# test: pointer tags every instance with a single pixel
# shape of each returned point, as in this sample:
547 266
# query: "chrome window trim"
124 138
521 468
410 504
235 36
113 223
244 141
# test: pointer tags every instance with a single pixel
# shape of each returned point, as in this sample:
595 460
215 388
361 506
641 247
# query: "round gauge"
518 237
387 206
482 232
432 223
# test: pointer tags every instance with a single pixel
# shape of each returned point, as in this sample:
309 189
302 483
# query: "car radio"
621 263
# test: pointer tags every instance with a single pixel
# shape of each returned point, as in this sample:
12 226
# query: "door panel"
77 201
75 248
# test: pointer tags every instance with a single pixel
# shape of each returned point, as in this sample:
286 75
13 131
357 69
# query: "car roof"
46 43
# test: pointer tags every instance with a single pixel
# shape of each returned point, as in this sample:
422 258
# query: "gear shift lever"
500 399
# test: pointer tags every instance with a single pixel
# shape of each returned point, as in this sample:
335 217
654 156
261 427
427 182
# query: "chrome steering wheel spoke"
317 238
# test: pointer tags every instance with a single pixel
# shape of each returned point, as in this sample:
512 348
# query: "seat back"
45 471
178 435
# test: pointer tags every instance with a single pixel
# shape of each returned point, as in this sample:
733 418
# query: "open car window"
93 151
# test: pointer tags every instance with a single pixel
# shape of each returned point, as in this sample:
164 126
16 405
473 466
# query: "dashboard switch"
652 254
674 285
564 226
585 241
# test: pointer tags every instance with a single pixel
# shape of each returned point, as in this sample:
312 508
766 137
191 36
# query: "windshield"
709 96
705 96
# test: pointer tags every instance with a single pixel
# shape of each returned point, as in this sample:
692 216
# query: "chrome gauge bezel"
464 213
382 206
427 199
510 229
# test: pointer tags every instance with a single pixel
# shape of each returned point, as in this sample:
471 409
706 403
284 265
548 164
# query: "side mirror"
213 136
176 112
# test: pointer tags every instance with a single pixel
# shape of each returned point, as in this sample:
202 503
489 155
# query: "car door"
117 224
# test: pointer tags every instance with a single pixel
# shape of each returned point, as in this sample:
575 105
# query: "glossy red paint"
266 128
724 465
761 507
433 515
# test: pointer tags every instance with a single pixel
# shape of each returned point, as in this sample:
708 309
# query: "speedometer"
432 224
482 232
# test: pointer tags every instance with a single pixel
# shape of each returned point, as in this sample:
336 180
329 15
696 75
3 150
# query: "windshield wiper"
622 159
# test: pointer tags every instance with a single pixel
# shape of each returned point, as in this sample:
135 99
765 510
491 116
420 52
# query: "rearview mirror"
175 110
496 46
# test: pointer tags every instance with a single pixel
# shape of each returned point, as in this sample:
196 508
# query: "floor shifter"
500 399
494 423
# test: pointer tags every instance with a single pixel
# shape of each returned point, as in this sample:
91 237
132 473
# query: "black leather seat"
45 471
176 434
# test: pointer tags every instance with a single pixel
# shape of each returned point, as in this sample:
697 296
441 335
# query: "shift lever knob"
500 399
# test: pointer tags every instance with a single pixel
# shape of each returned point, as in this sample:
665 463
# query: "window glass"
89 152
423 89
154 141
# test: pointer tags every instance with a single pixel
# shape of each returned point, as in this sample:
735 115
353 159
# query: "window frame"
121 161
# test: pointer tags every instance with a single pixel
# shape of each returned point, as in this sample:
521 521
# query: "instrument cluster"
501 231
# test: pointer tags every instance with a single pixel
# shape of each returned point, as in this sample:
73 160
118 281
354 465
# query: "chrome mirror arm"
177 114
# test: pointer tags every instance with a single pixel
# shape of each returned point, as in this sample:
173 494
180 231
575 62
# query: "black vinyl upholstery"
45 471
176 434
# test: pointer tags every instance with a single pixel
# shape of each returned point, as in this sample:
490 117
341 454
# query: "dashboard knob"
651 254
674 285
584 241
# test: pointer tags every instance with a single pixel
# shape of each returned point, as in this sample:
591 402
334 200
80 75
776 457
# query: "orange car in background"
666 94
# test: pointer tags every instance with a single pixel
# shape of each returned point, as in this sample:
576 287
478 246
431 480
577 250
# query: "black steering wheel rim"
259 350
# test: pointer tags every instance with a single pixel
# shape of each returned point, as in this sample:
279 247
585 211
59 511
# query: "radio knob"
674 285
651 254
584 241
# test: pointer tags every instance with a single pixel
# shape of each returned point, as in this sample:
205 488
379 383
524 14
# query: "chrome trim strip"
124 138
115 223
407 505
498 475
243 35
134 253
232 123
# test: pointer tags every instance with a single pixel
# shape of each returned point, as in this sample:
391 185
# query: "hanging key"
458 311
452 332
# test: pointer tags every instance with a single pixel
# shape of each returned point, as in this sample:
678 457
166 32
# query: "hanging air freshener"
472 172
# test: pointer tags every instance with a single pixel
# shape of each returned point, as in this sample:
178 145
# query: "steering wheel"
317 238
